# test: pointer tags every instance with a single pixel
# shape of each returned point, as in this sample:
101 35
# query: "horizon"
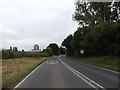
27 22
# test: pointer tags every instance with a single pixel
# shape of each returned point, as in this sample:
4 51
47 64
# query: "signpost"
82 52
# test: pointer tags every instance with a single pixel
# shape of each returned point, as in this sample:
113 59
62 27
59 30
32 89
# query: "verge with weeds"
14 69
109 62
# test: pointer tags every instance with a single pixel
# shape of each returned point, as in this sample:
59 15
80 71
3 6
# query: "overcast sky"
24 23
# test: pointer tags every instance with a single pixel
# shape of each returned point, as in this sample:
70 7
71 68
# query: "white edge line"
84 76
77 73
100 68
79 76
28 76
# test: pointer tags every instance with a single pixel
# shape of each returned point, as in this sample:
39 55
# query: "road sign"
81 51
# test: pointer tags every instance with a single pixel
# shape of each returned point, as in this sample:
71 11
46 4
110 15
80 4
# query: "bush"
7 54
100 40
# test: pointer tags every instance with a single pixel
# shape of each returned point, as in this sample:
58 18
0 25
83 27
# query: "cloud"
26 22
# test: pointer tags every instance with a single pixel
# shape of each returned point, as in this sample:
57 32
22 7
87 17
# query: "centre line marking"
83 77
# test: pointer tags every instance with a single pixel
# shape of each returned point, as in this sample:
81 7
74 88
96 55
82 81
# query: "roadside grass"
14 69
112 63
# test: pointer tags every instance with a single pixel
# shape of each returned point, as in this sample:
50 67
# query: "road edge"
27 76
106 69
83 77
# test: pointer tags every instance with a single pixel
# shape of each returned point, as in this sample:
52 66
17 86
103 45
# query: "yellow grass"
14 69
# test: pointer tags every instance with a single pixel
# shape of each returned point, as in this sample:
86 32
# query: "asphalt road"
61 72
103 77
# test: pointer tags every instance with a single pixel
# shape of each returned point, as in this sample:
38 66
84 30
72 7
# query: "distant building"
36 48
10 47
23 50
15 49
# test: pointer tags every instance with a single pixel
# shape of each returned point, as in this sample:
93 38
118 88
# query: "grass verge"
112 63
14 69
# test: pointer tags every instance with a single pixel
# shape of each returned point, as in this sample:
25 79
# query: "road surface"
61 72
104 77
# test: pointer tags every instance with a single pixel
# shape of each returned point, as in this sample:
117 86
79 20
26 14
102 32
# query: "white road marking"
99 67
80 75
52 62
102 68
27 76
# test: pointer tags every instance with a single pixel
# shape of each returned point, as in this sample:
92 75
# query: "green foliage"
16 54
7 54
42 54
62 50
103 61
48 51
102 39
93 13
68 44
99 31
54 48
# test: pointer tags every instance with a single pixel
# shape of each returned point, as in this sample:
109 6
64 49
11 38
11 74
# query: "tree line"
98 33
7 54
52 49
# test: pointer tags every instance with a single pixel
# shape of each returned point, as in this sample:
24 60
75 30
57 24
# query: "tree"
68 44
62 50
78 40
102 39
48 51
54 47
6 54
98 33
23 50
93 13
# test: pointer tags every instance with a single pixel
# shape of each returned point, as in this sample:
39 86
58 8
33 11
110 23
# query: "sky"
24 23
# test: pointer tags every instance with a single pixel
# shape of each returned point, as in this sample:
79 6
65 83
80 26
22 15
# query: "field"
108 62
15 69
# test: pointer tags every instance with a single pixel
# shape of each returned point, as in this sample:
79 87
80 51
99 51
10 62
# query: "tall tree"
62 50
92 13
99 33
69 45
54 47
